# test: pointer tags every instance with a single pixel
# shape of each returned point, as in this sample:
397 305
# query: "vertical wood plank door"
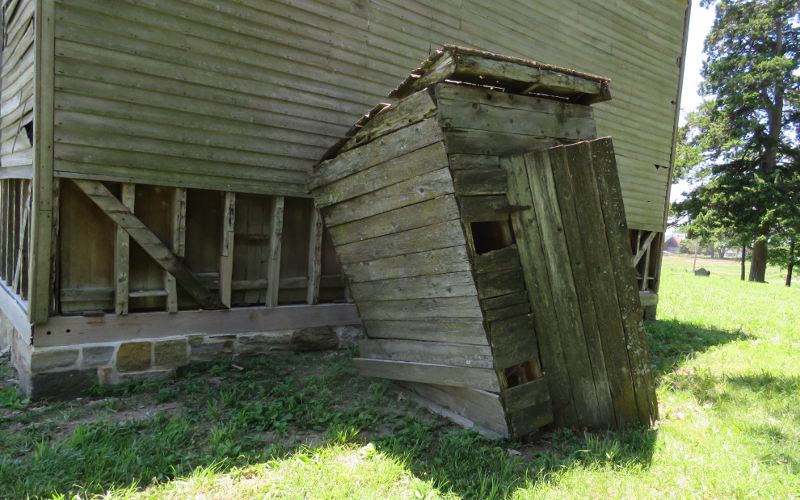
569 222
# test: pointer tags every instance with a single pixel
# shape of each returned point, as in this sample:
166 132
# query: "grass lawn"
727 356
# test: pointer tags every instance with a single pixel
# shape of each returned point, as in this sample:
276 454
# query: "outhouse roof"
511 74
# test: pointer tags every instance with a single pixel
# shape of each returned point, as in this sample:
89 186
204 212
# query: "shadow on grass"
672 342
280 406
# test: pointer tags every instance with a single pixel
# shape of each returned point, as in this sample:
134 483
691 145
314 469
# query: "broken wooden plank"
410 110
149 242
479 408
483 208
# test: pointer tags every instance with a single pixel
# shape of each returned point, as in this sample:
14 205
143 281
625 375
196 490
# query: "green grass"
726 354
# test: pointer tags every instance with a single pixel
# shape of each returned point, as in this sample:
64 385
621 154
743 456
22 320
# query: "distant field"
728 268
726 354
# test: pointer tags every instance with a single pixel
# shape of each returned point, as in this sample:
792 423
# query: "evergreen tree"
742 144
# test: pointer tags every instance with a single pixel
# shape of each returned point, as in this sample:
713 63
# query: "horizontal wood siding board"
440 353
525 395
415 190
420 309
443 260
462 331
530 419
426 213
442 235
481 142
513 341
384 148
483 208
474 378
497 260
325 66
458 284
421 161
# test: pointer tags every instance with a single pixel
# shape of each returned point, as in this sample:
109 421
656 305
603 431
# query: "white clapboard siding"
16 91
249 94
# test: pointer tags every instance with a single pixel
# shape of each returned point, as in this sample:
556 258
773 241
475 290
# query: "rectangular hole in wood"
522 373
491 235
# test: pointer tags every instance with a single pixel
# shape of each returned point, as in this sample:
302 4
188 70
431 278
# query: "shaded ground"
726 356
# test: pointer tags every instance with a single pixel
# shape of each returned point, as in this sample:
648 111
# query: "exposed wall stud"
226 248
314 257
178 245
275 236
122 252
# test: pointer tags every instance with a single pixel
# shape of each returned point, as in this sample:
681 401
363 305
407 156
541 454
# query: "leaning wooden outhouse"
490 266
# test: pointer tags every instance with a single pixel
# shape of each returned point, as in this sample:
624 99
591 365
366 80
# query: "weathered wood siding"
247 95
16 94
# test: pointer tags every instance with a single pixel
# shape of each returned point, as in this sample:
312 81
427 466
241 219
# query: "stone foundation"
67 371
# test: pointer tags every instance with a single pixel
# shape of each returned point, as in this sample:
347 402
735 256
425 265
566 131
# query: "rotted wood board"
572 240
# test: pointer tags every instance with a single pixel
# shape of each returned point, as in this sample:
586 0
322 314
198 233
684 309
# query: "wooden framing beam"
55 304
314 257
178 245
3 227
641 250
149 242
122 255
70 330
22 240
274 264
226 248
42 179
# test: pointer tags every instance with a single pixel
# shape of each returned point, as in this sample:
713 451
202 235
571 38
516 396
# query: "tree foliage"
740 148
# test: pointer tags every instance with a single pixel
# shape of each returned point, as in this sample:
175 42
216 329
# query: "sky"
700 23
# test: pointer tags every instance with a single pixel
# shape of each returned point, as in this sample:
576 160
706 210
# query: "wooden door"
569 223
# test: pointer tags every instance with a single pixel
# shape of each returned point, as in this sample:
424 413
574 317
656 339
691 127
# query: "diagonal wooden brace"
150 243
640 253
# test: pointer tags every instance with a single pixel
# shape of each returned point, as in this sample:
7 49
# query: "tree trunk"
790 266
744 258
758 261
696 249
